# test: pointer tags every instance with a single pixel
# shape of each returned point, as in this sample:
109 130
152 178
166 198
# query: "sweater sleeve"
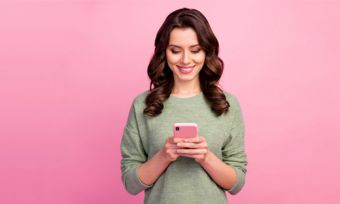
233 152
133 155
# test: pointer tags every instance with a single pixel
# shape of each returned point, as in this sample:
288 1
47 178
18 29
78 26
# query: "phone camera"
177 128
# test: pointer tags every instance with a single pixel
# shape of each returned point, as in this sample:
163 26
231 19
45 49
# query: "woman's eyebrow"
171 45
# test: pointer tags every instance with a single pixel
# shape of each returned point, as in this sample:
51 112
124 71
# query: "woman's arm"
223 174
149 171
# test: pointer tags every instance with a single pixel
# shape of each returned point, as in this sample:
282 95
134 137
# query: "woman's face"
184 55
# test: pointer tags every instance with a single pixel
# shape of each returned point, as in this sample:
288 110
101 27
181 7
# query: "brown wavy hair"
161 76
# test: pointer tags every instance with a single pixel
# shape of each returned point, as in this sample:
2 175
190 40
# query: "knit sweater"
184 180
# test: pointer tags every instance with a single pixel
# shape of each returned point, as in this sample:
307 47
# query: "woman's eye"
175 51
195 51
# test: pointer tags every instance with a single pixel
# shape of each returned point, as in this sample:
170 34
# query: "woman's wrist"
208 158
164 157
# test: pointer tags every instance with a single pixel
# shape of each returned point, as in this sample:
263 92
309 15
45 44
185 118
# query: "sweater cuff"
134 184
239 182
144 186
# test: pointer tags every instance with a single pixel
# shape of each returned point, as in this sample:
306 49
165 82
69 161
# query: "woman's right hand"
169 149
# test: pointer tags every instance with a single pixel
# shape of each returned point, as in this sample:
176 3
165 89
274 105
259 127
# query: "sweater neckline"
186 99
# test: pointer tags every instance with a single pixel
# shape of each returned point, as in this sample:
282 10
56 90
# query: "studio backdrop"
69 70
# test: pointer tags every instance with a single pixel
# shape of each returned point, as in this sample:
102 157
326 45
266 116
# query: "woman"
184 73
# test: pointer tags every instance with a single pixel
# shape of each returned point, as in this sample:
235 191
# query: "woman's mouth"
185 69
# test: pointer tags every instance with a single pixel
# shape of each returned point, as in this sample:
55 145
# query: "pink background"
69 70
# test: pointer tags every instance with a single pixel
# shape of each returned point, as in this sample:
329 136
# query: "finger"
191 151
170 146
192 145
169 139
174 140
195 139
171 151
177 140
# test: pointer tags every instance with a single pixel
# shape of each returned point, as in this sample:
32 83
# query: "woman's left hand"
196 148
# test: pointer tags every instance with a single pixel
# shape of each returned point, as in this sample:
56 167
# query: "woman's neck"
186 89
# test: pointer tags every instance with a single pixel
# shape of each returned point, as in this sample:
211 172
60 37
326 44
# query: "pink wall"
69 70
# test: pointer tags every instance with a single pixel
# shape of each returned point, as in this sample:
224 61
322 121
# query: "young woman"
184 73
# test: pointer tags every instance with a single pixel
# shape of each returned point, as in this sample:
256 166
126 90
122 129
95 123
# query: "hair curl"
161 76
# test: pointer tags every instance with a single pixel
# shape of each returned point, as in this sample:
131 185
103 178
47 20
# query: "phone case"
185 130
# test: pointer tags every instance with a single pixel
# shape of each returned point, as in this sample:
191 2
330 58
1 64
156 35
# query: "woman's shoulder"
140 98
229 95
231 98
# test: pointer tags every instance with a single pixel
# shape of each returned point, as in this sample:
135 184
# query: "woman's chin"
185 78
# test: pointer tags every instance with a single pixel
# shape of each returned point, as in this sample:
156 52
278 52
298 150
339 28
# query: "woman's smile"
185 69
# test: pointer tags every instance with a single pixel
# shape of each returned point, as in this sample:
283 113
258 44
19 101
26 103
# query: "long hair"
161 76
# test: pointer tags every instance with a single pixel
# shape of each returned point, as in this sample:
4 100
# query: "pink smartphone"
185 130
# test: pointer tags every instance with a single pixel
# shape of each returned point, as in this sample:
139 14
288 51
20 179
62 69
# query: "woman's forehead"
183 37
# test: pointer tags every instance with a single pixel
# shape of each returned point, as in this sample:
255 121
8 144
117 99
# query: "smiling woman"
184 40
184 73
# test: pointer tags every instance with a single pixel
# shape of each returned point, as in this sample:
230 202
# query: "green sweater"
184 181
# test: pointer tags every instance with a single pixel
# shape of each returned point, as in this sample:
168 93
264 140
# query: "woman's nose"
186 58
